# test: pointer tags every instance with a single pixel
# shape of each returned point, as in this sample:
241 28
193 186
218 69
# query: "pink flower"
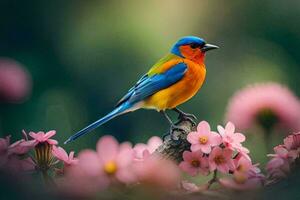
157 172
243 182
42 137
281 161
292 142
221 160
15 81
268 101
282 152
203 139
4 143
16 164
231 139
194 163
111 162
244 165
11 156
141 150
245 175
278 167
62 155
20 147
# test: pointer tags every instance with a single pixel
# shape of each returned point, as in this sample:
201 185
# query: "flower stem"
267 138
47 179
212 180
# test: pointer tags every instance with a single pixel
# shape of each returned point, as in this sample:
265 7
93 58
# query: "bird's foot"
175 139
187 117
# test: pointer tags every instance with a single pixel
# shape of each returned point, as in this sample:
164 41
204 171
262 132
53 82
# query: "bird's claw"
188 117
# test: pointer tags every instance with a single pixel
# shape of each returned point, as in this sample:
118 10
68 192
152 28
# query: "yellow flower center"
240 178
219 160
195 163
203 139
241 168
110 167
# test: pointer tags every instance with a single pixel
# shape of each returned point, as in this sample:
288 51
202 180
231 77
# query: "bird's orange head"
192 48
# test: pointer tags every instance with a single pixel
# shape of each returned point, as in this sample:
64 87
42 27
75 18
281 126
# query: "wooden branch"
173 149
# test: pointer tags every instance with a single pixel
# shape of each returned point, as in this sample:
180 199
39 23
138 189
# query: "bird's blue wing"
145 87
131 90
149 85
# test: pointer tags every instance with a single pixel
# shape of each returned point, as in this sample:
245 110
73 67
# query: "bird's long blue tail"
116 112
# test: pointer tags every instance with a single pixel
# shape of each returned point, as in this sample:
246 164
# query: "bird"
173 80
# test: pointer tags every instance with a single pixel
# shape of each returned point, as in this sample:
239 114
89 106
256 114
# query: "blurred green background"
84 55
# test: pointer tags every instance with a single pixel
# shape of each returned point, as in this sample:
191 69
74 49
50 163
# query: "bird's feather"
145 87
148 84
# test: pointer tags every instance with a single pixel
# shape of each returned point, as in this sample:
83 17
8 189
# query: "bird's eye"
194 45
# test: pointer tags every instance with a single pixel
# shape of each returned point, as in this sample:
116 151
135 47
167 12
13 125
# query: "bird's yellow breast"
181 91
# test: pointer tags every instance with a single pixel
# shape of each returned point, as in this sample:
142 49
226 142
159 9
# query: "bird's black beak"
208 47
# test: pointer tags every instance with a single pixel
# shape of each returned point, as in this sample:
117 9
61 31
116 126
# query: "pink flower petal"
239 137
107 148
187 156
125 157
33 135
215 139
153 143
90 163
205 149
221 130
193 137
49 134
230 128
60 153
203 127
52 142
196 147
188 168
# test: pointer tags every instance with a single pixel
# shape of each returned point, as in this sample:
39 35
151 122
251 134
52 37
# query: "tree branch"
173 149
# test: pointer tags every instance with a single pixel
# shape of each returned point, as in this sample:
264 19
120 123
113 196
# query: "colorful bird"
173 80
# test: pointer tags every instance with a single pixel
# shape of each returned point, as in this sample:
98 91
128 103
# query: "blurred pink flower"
141 150
276 102
278 167
16 164
194 163
282 152
15 81
281 161
203 139
80 181
243 182
20 147
221 160
157 172
12 156
4 144
244 165
292 142
111 162
231 139
62 155
245 175
41 137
